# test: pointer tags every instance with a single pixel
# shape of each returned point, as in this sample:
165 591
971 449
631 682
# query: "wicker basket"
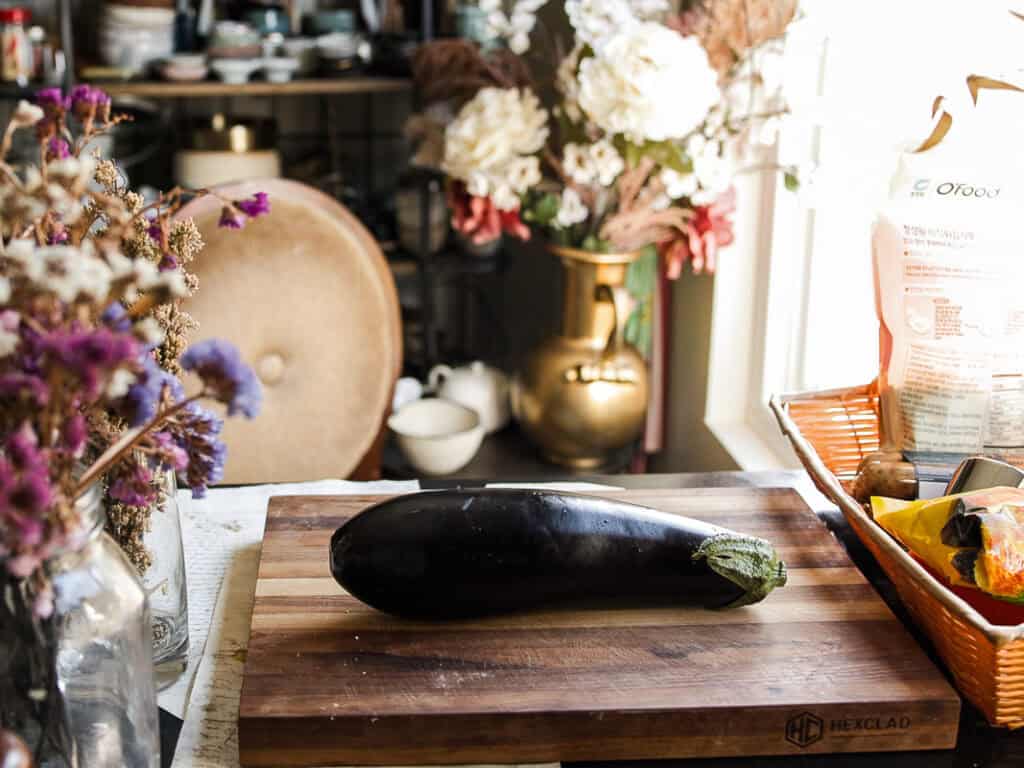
831 431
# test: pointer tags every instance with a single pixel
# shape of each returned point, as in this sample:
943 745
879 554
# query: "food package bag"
973 539
948 253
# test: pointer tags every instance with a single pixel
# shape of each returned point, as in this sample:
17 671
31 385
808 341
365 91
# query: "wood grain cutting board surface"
821 665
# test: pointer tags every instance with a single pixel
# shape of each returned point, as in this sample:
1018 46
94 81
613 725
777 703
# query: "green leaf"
641 281
791 181
543 211
666 154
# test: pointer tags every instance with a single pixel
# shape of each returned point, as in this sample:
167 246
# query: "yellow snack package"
973 539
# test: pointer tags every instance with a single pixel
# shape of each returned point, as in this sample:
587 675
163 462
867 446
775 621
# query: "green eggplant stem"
750 563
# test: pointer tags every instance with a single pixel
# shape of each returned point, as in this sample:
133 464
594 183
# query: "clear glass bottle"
82 680
164 582
151 538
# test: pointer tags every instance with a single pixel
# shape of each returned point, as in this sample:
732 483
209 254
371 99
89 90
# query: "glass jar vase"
78 687
151 537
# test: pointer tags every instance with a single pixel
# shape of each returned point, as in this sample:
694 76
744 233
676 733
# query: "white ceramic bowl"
235 71
178 74
437 436
304 49
280 69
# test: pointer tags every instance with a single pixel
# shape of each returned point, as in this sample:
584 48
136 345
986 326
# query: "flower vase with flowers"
92 338
635 154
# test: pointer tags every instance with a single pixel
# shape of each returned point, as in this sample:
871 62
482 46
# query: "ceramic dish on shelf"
182 74
186 60
280 69
235 71
304 49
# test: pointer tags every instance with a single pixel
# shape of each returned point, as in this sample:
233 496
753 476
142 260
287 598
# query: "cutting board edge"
939 720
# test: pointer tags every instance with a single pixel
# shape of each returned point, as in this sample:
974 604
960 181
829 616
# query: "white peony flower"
608 162
577 162
649 9
505 198
596 21
478 185
524 173
677 184
26 115
492 129
648 83
572 210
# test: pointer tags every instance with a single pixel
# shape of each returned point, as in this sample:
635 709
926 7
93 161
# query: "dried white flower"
20 251
26 115
119 384
8 342
632 86
572 210
149 330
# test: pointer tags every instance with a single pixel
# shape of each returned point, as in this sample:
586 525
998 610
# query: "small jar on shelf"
16 62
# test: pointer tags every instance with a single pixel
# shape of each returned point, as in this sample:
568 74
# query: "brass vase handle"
620 300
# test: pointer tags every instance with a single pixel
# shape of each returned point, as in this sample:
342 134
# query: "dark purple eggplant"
462 554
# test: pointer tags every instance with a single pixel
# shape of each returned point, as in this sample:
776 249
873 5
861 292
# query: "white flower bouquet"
653 107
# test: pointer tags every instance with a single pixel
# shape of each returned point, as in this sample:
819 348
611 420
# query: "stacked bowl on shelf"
135 34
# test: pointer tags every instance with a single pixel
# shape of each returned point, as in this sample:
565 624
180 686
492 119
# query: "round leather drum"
307 296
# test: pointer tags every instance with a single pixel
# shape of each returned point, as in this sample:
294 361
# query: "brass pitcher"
582 395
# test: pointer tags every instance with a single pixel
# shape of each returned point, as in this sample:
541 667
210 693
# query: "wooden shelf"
167 90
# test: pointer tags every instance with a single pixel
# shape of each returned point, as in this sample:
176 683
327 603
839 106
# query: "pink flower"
709 230
480 220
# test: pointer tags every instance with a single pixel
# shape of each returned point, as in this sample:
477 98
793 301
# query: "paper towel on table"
221 535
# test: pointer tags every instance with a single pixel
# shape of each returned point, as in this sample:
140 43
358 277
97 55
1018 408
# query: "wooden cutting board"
822 665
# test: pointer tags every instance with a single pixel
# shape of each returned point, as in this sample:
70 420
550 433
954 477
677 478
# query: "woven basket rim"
996 633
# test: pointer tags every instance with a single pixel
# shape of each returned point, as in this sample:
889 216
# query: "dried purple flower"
258 205
86 100
197 432
169 452
231 218
116 318
52 99
131 483
74 435
24 386
57 149
143 399
25 497
59 235
92 356
225 376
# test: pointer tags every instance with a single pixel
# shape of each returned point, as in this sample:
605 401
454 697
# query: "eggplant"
465 554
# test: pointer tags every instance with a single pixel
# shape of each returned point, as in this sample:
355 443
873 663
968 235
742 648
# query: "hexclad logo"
804 729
